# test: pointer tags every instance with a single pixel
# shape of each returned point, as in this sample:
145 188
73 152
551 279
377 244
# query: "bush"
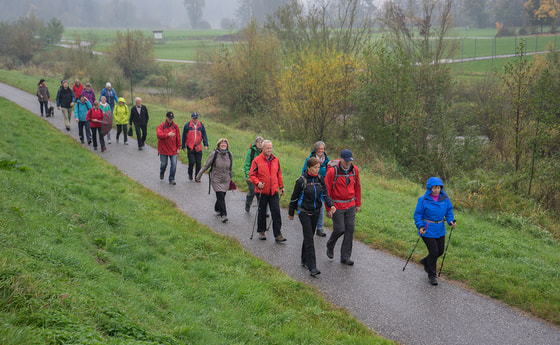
523 31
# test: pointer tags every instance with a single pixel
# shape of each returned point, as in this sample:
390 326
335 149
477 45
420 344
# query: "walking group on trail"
325 187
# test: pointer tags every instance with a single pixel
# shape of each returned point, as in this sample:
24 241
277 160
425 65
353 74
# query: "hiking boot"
89 142
347 262
224 219
314 272
433 280
190 178
161 176
126 142
280 238
320 233
262 235
330 253
104 149
304 265
172 182
108 141
424 262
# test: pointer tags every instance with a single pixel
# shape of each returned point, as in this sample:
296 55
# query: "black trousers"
273 202
220 205
435 246
250 196
43 105
94 132
141 132
123 129
195 158
308 224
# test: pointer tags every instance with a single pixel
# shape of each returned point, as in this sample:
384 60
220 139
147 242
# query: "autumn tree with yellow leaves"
542 12
315 92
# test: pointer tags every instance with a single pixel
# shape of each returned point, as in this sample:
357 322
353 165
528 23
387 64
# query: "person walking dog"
309 191
432 211
343 186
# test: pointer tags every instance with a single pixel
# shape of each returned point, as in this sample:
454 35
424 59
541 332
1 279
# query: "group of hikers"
325 187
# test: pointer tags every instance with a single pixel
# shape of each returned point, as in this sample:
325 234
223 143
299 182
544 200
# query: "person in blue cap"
432 211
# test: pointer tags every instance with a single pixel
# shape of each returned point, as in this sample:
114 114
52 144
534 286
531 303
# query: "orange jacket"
267 171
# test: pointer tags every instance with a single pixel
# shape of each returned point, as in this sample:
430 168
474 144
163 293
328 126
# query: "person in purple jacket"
432 211
89 93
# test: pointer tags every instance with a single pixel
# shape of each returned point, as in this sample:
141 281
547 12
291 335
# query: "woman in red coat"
95 117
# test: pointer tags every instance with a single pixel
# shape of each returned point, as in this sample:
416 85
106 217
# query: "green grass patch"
504 256
90 257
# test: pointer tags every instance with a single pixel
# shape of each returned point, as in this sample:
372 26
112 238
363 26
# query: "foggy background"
119 13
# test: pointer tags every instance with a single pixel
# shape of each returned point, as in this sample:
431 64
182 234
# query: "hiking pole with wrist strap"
445 253
418 240
257 213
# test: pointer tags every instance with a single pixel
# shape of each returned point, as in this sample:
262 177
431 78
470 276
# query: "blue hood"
434 181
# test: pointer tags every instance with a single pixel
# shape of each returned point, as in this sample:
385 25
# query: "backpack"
336 174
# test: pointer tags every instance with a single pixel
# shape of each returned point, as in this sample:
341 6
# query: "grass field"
501 255
90 257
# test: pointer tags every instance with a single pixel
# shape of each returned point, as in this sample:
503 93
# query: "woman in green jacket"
120 117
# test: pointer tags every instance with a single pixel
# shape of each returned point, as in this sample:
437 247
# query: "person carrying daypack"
343 186
254 151
220 166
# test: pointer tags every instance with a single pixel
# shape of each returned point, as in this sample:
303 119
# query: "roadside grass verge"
504 256
89 256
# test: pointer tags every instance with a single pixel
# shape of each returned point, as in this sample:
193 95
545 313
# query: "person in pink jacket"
95 117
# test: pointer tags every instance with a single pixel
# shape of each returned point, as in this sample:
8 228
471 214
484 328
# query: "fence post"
462 49
537 43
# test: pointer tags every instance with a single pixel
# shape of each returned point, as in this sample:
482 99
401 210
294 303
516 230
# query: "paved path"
399 305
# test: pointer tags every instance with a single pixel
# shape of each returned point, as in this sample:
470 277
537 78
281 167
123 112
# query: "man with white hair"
139 117
110 95
266 175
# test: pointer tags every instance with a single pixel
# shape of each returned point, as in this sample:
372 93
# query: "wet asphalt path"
401 306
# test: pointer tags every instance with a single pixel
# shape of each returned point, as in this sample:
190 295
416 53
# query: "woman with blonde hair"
219 165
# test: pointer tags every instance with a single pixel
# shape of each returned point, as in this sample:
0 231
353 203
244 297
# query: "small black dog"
50 111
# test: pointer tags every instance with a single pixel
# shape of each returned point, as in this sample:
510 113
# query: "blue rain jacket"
432 215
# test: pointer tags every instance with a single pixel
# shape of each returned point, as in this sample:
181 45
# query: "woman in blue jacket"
431 213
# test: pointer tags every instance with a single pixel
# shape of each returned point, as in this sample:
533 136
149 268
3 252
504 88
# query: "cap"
108 84
170 115
194 115
346 155
88 84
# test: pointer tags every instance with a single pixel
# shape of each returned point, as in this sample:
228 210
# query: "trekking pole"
445 253
256 214
407 260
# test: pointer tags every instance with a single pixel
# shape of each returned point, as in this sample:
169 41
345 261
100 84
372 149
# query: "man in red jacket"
168 146
266 175
343 186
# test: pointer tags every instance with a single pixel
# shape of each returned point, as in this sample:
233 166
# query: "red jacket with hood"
267 171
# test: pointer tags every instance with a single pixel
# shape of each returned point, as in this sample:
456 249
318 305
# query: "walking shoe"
304 265
89 142
103 149
161 176
224 219
424 261
140 148
172 182
347 262
81 141
433 280
108 141
320 233
117 140
95 148
190 178
280 238
314 272
67 128
126 142
262 235
330 253
197 181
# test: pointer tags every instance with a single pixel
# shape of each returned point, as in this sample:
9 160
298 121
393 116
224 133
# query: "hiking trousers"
343 224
